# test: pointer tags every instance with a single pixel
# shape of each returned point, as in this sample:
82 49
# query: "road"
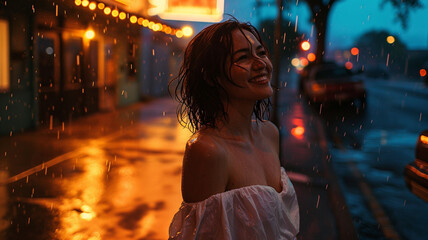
369 151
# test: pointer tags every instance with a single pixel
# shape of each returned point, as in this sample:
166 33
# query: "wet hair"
197 89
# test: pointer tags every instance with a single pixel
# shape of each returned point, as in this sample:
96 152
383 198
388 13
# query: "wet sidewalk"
117 175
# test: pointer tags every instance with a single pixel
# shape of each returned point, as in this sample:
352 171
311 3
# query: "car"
329 82
416 172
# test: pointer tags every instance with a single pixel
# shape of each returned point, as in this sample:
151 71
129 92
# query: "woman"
232 184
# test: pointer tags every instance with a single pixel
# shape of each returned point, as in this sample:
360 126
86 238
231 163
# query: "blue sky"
348 20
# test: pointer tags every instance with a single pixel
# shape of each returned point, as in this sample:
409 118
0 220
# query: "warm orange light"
89 34
355 51
145 23
305 45
390 39
140 20
157 27
77 2
424 139
101 6
151 25
122 15
115 13
304 62
316 87
349 65
168 30
179 34
187 31
92 6
85 3
311 57
133 19
298 132
107 11
295 62
423 72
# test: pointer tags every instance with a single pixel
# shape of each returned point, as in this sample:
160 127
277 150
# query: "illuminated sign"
188 10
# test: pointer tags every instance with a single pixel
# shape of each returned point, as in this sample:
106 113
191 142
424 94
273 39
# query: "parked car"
330 82
416 172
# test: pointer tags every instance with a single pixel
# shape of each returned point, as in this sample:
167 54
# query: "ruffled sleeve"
252 212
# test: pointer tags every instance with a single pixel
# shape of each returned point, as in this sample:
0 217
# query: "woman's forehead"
243 38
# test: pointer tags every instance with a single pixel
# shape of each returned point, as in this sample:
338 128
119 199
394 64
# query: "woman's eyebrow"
247 49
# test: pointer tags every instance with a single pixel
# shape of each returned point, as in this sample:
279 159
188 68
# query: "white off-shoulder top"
252 212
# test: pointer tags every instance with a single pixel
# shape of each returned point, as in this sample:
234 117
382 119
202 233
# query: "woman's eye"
242 57
262 53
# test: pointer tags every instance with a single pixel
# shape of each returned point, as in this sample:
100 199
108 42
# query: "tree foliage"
320 10
375 50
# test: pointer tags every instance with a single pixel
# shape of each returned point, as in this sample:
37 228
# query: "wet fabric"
252 212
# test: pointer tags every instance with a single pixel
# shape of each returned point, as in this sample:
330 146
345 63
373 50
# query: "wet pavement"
116 175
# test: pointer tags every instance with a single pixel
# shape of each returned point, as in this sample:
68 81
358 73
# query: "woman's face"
250 69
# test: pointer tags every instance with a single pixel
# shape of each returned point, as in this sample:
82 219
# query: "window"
4 55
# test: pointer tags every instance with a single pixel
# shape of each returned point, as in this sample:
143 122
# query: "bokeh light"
390 39
349 65
355 51
311 57
305 45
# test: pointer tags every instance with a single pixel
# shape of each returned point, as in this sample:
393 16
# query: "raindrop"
318 201
420 117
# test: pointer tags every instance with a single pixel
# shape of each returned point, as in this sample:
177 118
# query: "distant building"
60 60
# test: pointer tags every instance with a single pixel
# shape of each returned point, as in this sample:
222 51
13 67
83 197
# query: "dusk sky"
348 20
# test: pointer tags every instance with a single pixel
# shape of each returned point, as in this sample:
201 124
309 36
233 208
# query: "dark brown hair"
198 91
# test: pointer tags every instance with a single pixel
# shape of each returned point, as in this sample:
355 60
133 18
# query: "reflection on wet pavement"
123 186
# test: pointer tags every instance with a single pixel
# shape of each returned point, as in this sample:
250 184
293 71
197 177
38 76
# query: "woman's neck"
239 122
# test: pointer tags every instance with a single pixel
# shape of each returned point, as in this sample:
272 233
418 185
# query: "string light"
179 33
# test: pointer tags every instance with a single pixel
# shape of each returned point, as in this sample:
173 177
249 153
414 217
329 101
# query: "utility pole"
276 62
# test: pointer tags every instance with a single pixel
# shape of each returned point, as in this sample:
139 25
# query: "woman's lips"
260 79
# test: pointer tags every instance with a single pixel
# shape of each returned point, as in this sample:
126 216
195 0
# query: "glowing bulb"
179 34
187 31
101 6
115 13
145 23
133 19
92 6
122 15
78 2
107 11
89 34
85 3
140 21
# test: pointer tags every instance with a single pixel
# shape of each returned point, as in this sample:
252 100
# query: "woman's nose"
258 63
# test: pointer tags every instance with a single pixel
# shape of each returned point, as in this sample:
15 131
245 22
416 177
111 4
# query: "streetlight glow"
355 51
89 34
390 39
305 45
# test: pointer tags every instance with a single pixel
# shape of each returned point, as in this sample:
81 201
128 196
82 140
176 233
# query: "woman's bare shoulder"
269 129
204 168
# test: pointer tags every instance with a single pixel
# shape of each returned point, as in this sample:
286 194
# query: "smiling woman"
232 184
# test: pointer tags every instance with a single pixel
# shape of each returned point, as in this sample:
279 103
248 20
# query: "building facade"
60 61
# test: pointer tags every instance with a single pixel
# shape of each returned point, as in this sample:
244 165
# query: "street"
369 151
